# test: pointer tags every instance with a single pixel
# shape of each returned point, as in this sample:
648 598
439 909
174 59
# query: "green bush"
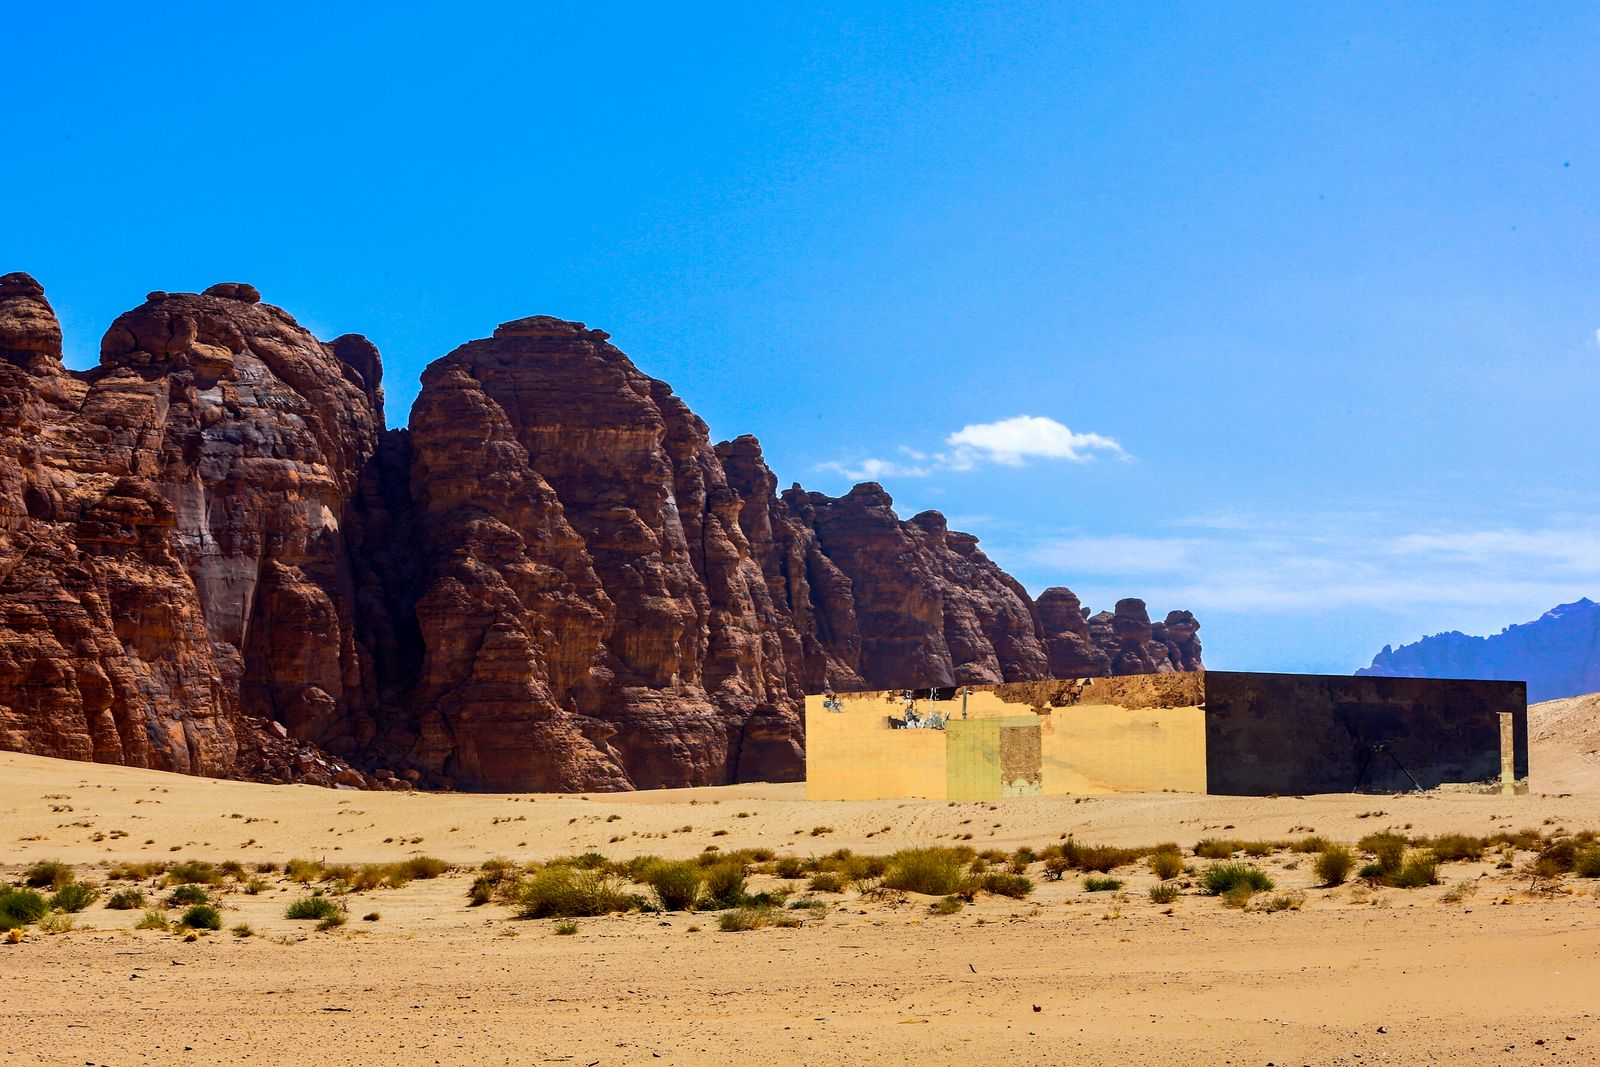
1219 878
48 874
741 919
1166 864
561 892
74 897
202 917
188 893
422 867
566 928
193 872
1419 869
1387 849
1455 848
1165 893
1215 848
676 884
1333 864
126 900
934 871
789 867
313 907
946 905
22 906
1104 858
825 882
1587 863
1100 884
154 919
724 884
1015 886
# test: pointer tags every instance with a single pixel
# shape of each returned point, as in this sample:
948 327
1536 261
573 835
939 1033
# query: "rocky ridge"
1557 654
215 559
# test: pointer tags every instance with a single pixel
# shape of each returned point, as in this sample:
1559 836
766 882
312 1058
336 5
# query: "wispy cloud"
1013 442
1336 562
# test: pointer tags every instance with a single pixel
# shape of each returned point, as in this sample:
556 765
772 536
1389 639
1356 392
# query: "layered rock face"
1557 654
214 559
172 573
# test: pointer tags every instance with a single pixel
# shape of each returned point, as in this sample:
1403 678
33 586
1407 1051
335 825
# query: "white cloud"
1337 562
1009 442
1016 440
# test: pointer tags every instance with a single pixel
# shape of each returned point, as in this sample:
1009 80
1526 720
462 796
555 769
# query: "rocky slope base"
215 559
1558 654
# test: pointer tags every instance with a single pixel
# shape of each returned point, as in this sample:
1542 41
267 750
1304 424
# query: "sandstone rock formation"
1557 654
214 559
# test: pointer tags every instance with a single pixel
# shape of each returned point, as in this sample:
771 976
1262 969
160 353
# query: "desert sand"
1505 970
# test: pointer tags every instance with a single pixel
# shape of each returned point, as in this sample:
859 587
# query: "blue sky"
1289 318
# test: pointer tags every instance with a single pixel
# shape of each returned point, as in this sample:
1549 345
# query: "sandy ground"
1499 972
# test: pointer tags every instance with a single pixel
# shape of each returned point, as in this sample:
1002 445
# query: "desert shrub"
313 907
202 917
375 875
676 884
1387 849
566 928
266 867
243 930
934 871
724 885
1284 902
73 897
1455 848
1056 867
1458 892
482 890
946 905
1104 858
1015 886
825 882
789 867
1219 878
186 894
1238 896
1371 872
1165 893
18 907
1528 840
562 892
1258 849
48 874
193 872
255 886
1095 883
422 867
1587 863
1333 864
740 919
303 871
57 922
126 900
233 869
1307 845
1215 848
1555 858
1165 864
587 861
134 872
1418 869
154 919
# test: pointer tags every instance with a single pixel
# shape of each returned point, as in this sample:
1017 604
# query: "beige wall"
853 754
1084 743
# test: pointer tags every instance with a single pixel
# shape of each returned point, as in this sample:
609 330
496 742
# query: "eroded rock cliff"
214 559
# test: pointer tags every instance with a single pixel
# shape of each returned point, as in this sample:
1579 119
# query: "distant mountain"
1558 654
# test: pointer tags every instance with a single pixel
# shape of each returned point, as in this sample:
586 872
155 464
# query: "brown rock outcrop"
214 559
